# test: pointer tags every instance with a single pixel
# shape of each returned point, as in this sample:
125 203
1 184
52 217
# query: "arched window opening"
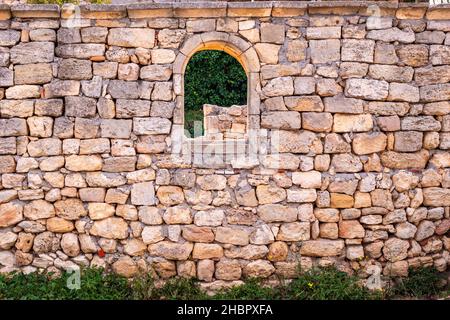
215 96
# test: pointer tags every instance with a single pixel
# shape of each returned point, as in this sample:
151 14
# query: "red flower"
101 253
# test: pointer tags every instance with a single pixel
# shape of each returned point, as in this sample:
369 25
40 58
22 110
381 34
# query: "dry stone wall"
350 105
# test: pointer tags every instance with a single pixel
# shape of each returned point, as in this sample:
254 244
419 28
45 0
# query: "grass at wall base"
316 284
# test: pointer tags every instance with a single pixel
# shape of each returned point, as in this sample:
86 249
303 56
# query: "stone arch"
236 47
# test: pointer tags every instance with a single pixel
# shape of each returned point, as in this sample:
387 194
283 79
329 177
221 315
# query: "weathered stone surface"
352 123
296 50
366 143
310 179
324 51
143 194
353 69
323 33
270 194
341 104
391 35
438 92
232 236
132 108
367 89
391 73
9 37
197 234
279 87
59 225
45 147
39 209
153 125
302 195
131 37
111 228
294 231
70 245
23 91
436 197
177 215
43 242
207 251
317 122
395 249
259 269
171 250
152 234
32 52
346 163
327 215
98 211
7 240
405 230
385 54
322 248
397 160
209 218
15 108
357 50
281 120
211 182
277 213
49 107
10 214
126 267
84 163
38 73
296 142
421 123
156 73
267 52
432 75
228 270
80 51
304 103
403 92
414 55
439 54
70 209
339 200
408 141
350 229
61 88
75 69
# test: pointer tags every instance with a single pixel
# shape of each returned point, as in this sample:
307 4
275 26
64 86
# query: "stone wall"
345 157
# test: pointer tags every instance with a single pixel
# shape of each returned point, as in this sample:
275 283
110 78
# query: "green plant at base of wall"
327 284
212 77
419 283
95 285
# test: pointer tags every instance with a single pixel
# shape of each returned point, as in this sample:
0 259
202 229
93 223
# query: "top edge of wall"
224 8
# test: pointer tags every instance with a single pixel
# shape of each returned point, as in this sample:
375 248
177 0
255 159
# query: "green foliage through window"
212 77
